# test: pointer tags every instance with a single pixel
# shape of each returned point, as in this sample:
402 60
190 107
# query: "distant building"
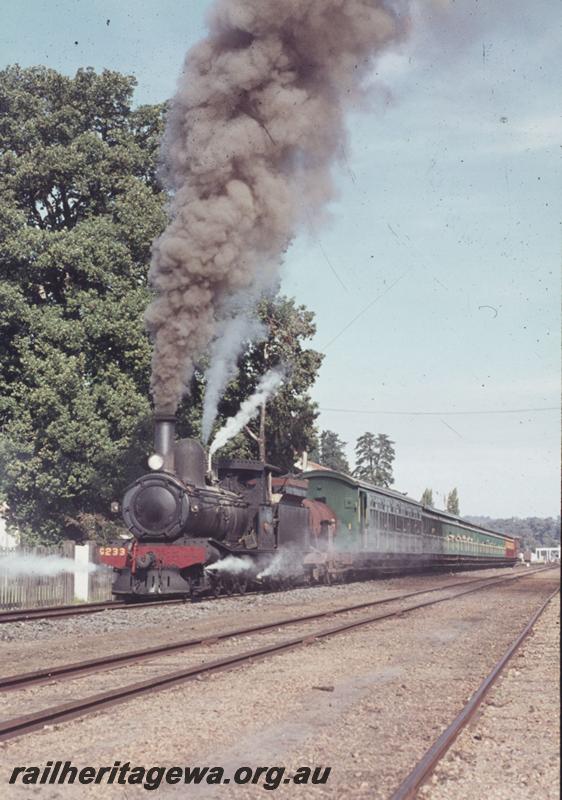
304 464
7 541
546 554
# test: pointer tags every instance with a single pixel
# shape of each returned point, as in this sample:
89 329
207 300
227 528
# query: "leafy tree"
290 414
452 504
374 457
427 497
329 451
79 208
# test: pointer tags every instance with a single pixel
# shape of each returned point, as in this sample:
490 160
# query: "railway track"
53 612
68 671
25 724
431 758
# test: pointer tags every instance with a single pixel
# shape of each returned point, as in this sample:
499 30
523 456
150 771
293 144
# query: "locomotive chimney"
164 439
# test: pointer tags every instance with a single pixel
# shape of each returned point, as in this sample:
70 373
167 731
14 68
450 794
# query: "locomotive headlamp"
155 462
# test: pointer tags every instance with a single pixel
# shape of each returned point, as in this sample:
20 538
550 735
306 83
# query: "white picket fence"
33 590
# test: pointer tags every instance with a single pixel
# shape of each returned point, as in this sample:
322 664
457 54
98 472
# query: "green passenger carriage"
380 529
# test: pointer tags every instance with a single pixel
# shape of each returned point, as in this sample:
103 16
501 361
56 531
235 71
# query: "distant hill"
533 531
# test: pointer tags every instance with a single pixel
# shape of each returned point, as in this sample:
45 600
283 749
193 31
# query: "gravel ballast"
113 631
368 702
511 751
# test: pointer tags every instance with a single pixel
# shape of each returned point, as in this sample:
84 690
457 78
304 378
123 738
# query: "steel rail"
76 708
68 671
53 612
48 612
426 765
24 614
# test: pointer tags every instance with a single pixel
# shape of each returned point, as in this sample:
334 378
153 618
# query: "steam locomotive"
196 531
187 521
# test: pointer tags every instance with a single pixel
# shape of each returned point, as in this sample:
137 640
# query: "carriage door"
363 522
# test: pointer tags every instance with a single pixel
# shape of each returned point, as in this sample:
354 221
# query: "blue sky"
445 238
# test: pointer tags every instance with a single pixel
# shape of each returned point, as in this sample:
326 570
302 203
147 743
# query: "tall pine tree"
427 497
330 452
453 502
374 457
